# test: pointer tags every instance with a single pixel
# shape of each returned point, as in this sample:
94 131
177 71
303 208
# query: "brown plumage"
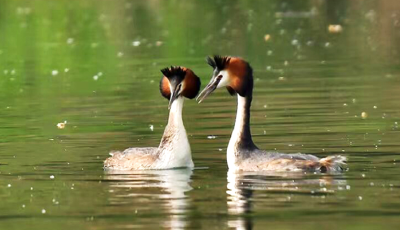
190 81
165 87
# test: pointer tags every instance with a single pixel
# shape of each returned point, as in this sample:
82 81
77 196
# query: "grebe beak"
174 95
209 88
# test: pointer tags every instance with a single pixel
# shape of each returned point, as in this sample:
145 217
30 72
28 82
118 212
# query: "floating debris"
43 211
335 29
151 127
120 54
375 107
211 137
54 72
267 37
136 43
159 43
51 176
61 125
364 115
95 77
70 41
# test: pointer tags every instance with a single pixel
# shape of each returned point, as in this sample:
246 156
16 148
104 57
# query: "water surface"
95 65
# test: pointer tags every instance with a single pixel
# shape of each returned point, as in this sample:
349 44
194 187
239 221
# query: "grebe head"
179 81
233 73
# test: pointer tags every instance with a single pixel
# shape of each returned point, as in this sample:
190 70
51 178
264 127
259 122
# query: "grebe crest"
174 149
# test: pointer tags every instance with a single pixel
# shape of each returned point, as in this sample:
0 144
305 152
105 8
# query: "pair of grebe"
242 154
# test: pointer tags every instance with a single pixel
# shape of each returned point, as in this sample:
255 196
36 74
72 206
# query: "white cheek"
224 80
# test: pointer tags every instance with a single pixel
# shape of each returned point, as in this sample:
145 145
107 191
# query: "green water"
95 64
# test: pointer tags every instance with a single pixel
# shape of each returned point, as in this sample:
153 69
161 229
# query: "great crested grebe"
174 149
236 75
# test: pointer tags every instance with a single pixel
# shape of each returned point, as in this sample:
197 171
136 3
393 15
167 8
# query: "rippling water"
95 65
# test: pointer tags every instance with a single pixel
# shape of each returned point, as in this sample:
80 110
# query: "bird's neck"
174 131
174 149
175 112
241 136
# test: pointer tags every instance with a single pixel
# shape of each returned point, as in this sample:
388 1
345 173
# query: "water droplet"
295 42
70 41
136 43
364 115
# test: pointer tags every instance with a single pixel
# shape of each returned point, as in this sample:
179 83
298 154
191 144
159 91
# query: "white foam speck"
54 72
136 43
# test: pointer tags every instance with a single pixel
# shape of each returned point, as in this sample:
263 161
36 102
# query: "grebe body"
242 154
174 149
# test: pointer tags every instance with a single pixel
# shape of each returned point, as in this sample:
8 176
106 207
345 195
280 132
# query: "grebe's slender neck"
174 126
175 112
241 135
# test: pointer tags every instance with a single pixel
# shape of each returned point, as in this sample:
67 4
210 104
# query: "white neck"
174 146
175 112
241 135
240 120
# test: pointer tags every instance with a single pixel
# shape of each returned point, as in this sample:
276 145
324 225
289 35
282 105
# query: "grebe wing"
131 159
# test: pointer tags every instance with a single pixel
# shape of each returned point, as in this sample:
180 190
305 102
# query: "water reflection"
166 188
280 187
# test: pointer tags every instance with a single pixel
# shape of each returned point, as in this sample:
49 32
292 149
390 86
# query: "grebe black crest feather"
218 62
174 72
